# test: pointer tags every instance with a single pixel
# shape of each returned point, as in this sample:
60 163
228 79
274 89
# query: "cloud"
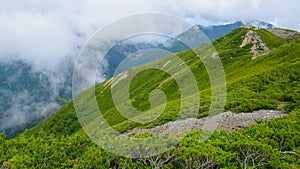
23 108
43 32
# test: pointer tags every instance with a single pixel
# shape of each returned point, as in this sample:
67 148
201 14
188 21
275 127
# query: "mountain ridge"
61 88
252 84
229 55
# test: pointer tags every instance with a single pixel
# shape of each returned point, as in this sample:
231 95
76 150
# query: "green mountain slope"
240 70
252 84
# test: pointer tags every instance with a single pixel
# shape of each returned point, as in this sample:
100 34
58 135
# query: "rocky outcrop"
228 121
285 34
247 26
258 48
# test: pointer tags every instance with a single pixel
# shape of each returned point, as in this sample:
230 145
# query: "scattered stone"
107 83
119 78
180 64
215 55
169 61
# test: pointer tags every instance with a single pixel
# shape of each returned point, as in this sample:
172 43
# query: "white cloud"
45 31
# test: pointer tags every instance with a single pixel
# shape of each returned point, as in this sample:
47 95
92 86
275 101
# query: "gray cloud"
25 108
43 32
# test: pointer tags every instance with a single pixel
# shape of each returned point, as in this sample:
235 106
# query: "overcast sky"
44 31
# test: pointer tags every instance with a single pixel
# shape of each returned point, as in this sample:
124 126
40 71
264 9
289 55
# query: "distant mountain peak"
215 31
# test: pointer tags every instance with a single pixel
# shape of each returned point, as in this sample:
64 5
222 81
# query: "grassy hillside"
254 81
263 83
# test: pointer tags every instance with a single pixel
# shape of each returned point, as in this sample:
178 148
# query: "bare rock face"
285 34
259 48
228 121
